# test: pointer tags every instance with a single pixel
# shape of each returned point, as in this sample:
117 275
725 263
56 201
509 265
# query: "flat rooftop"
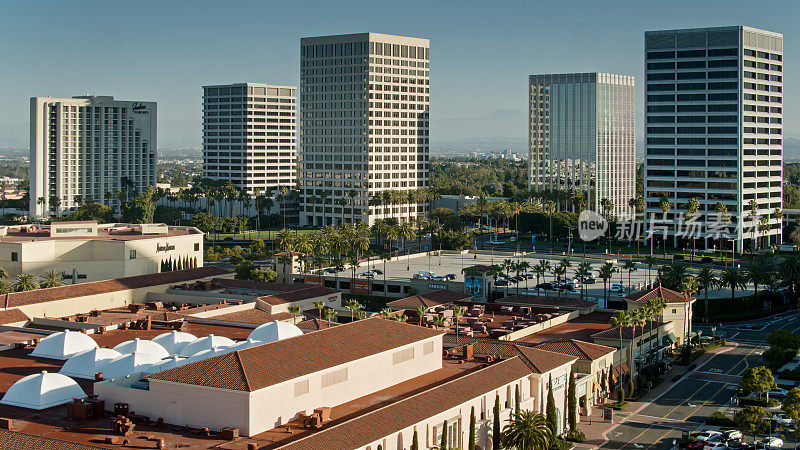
580 328
112 233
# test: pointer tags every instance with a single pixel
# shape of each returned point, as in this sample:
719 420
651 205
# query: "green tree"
471 444
757 379
732 278
572 403
528 431
791 404
415 441
750 420
93 211
443 441
51 278
25 282
496 434
706 280
550 409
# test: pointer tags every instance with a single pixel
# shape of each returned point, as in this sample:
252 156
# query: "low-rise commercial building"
88 251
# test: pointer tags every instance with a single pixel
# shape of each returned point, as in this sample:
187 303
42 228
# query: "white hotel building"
89 146
363 125
714 123
249 135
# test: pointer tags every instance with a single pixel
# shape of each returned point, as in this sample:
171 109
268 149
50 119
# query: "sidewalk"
596 431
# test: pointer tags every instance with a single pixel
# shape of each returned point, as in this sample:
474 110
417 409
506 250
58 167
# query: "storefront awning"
669 339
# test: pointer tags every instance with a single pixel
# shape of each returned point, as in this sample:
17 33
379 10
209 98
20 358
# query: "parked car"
545 286
494 241
377 271
732 435
706 260
716 446
781 418
776 392
739 445
696 445
450 277
567 287
617 288
770 442
367 274
331 270
710 436
589 280
501 283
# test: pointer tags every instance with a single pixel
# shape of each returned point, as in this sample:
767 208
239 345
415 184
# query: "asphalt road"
691 399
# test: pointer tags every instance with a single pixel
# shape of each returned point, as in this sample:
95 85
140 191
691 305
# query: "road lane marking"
660 438
704 403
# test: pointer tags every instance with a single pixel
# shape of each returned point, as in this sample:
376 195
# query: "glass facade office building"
582 139
714 121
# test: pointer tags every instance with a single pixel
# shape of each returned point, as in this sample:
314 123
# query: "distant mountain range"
497 130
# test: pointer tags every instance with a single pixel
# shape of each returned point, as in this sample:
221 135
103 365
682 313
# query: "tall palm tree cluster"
642 317
331 245
28 282
385 202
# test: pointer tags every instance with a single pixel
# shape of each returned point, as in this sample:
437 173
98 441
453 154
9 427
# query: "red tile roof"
659 292
304 293
14 440
366 428
430 299
583 350
105 286
537 300
316 324
258 285
252 315
538 360
628 332
267 364
12 316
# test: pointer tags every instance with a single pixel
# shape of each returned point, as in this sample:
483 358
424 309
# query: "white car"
709 436
770 442
616 287
495 242
732 435
367 274
781 418
776 392
716 446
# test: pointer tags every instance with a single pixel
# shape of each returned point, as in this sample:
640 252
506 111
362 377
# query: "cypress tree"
620 395
603 381
415 441
195 262
380 447
496 424
471 445
631 387
550 409
517 401
572 403
443 442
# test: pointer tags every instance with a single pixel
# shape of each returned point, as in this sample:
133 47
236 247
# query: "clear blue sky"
481 51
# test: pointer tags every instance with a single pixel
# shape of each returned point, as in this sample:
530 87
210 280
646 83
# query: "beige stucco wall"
429 430
331 300
679 313
276 405
98 259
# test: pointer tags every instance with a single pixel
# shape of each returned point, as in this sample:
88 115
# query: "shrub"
560 444
755 401
720 419
575 436
618 406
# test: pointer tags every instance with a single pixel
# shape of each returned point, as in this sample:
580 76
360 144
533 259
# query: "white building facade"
364 126
582 137
714 113
249 135
84 148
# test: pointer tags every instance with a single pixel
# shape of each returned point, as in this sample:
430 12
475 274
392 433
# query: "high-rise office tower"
714 113
249 135
84 148
363 127
582 141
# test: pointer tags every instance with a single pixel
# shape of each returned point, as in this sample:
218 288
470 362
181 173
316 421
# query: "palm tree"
629 266
760 273
320 305
3 274
650 261
421 311
619 320
524 267
508 266
672 276
295 311
494 271
607 206
550 209
51 278
606 271
353 306
330 314
706 280
637 319
438 321
527 430
406 232
753 216
386 313
25 282
665 206
457 312
789 273
401 317
540 269
583 272
734 279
